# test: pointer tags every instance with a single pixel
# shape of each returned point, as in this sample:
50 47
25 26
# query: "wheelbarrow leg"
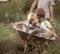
25 46
27 40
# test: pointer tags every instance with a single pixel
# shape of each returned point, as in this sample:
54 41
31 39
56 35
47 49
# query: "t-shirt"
45 5
42 26
30 27
45 24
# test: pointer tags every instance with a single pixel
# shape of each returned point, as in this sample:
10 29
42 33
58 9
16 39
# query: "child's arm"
52 32
17 23
50 29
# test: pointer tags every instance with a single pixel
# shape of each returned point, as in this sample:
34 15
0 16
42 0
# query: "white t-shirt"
31 27
45 5
45 24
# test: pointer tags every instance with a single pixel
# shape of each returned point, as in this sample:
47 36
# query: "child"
32 19
29 24
44 24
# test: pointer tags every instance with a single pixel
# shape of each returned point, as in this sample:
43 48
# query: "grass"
9 41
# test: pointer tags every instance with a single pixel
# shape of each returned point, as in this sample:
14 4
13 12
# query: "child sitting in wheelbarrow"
29 24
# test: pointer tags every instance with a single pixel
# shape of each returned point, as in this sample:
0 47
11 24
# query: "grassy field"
10 42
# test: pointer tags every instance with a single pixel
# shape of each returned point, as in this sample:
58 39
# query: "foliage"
57 8
12 10
8 41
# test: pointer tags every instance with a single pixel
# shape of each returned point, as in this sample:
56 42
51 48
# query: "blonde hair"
30 16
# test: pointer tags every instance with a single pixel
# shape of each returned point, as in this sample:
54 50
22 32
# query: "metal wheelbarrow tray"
24 35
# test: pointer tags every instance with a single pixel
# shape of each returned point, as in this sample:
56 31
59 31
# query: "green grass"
9 41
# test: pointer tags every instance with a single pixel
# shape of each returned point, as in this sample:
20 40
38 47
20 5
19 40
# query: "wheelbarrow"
37 39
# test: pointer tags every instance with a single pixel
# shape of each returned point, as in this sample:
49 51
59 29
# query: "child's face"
41 19
32 21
